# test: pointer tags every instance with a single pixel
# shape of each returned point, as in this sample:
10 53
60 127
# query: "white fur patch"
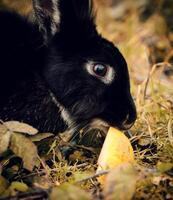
55 16
65 115
110 75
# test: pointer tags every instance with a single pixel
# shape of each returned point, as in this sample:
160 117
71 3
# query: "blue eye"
100 70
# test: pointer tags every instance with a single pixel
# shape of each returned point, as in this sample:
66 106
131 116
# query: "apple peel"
116 150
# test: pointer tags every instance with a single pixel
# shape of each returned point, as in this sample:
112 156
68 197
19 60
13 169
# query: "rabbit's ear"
77 18
47 16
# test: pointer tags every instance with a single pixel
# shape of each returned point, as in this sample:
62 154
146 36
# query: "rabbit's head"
87 74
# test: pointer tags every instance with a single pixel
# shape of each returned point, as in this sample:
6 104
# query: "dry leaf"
5 136
41 136
3 184
42 182
144 142
19 127
25 149
69 192
164 167
121 183
21 187
77 156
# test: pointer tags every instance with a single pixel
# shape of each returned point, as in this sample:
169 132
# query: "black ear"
77 18
47 16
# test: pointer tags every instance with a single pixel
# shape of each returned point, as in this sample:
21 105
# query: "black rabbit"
57 73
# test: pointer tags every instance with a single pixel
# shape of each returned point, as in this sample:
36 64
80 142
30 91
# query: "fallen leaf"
156 180
21 187
77 156
42 182
25 149
164 167
41 136
69 192
81 175
144 141
3 184
5 136
20 127
121 183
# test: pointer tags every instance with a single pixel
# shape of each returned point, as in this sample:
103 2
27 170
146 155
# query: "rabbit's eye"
103 72
100 70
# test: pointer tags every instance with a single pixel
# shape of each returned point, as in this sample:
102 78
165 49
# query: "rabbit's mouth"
73 126
99 124
104 126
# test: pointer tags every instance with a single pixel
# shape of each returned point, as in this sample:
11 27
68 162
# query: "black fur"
31 68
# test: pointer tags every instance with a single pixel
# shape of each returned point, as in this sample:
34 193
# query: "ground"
143 33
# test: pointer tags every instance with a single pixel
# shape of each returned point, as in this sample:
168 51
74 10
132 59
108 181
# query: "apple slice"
116 150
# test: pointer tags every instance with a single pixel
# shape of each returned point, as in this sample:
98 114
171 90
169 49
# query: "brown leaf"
19 127
21 187
25 149
5 136
121 183
41 136
144 142
3 184
42 182
77 156
164 167
69 192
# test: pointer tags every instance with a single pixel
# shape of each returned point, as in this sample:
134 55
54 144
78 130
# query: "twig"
44 166
104 172
35 195
149 76
94 176
83 165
